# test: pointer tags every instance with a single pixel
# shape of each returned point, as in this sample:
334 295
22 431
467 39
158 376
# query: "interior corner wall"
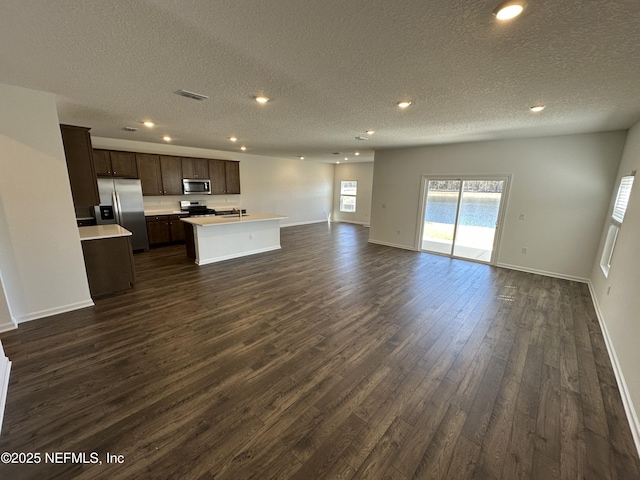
6 320
41 261
363 173
300 190
562 184
618 307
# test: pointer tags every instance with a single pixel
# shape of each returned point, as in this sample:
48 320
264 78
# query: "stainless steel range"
196 208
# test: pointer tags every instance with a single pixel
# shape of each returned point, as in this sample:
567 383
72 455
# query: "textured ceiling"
333 69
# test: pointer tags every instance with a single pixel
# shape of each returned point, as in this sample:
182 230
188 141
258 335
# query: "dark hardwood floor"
331 358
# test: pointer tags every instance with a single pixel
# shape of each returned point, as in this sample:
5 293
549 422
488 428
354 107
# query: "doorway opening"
461 216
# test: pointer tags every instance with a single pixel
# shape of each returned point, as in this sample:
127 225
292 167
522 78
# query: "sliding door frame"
497 239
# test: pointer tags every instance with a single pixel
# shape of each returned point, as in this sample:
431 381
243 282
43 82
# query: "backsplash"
165 202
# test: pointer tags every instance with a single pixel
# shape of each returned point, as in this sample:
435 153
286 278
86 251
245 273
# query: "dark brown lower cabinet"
190 241
177 228
164 229
109 265
158 230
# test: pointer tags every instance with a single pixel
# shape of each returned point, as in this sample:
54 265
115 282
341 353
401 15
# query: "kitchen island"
212 239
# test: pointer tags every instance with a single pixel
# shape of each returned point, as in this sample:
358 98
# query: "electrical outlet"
524 250
398 232
522 216
384 205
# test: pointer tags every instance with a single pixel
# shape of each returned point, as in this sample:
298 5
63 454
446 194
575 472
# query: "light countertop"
97 232
212 221
166 211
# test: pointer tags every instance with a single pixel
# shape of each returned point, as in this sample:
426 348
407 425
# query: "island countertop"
97 232
211 221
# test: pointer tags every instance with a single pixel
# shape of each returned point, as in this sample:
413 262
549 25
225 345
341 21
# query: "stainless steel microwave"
193 186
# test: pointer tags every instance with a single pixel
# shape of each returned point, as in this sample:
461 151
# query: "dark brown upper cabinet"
149 173
159 174
171 169
110 163
218 177
232 176
82 175
195 168
225 177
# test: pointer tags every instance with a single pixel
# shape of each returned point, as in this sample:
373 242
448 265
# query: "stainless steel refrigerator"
121 203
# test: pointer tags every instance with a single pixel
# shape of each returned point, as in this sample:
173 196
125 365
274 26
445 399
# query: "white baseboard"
395 245
295 224
632 415
543 272
5 327
222 258
54 311
364 224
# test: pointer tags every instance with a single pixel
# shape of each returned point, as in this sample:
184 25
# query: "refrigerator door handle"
117 210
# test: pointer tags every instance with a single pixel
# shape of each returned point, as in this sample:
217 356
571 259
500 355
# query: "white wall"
562 184
298 189
619 310
363 173
41 260
6 320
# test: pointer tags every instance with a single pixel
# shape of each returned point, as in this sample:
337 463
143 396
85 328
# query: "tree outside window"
348 192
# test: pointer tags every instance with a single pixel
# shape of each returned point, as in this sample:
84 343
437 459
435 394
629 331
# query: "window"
619 209
348 191
622 199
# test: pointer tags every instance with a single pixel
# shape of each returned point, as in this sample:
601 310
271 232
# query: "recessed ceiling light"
243 148
370 132
301 157
357 153
337 162
233 139
167 138
404 104
148 124
261 99
346 158
509 10
537 108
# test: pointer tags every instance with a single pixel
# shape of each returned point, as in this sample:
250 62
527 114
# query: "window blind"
622 199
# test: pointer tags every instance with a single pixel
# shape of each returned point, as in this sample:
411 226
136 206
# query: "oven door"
193 186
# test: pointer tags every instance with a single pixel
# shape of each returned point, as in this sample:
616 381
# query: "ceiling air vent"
191 95
130 129
360 138
337 153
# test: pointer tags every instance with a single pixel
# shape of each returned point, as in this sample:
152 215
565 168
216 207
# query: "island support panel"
232 240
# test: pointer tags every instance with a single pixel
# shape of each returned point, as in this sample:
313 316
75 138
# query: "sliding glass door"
441 215
462 216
